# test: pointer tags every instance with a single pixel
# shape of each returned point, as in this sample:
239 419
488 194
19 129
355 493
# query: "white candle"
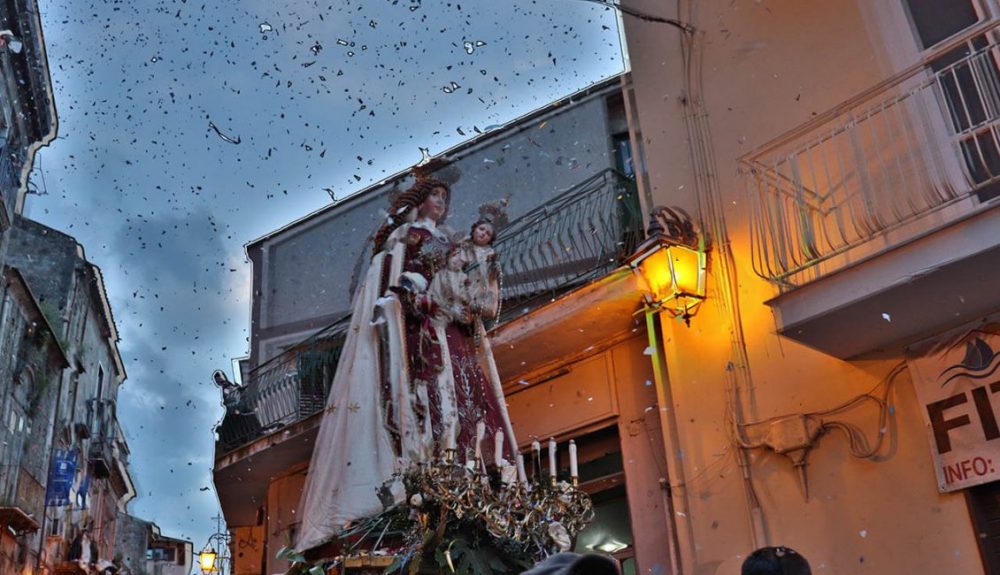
498 449
552 458
536 455
480 433
449 437
522 476
573 472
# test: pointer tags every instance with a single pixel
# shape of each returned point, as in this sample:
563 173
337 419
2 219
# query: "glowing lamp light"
206 560
611 546
671 275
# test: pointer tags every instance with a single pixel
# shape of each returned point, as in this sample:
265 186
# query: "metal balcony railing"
287 389
102 421
885 164
10 181
577 237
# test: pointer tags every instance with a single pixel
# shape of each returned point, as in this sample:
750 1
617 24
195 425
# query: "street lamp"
211 561
671 264
206 560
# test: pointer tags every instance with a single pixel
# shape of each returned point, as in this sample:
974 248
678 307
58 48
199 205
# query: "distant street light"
211 561
206 559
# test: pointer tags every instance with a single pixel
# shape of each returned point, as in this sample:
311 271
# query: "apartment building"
842 160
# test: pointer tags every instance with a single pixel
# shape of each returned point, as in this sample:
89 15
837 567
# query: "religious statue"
416 379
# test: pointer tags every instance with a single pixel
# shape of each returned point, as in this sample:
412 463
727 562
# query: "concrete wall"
765 68
305 274
131 538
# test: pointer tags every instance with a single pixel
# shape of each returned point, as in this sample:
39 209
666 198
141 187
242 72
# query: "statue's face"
482 235
435 206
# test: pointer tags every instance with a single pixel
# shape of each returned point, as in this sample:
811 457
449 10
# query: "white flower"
416 500
559 535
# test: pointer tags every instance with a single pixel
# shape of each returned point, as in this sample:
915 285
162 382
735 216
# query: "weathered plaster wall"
766 68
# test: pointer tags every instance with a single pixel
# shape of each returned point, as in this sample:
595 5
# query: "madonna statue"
416 376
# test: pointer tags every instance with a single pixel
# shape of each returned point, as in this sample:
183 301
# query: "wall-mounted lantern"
671 264
206 560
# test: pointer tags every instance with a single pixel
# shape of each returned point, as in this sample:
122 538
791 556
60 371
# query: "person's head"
574 564
775 561
435 205
455 259
483 233
426 198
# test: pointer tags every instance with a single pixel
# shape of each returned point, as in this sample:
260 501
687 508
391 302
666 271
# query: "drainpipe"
675 499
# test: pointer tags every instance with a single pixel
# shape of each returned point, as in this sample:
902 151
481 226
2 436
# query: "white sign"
958 385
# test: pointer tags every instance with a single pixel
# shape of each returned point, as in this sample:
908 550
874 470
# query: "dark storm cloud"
322 98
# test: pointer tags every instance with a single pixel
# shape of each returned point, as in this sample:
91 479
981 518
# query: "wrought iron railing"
575 238
102 422
884 165
10 180
579 236
287 389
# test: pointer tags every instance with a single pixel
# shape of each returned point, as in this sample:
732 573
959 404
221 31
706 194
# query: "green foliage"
470 550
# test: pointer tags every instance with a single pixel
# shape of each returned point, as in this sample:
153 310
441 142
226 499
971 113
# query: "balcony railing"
908 156
577 237
101 420
10 181
287 389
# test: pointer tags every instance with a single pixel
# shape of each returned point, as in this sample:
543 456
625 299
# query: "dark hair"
477 223
402 204
775 561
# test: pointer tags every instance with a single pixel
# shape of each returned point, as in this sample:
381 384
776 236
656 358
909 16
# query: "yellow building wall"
247 550
283 495
766 68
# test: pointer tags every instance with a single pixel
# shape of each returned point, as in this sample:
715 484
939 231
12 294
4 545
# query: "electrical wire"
645 17
858 440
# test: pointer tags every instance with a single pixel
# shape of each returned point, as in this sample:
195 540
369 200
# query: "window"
100 381
160 554
968 80
623 154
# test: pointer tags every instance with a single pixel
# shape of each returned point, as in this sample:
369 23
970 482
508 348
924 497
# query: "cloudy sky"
188 128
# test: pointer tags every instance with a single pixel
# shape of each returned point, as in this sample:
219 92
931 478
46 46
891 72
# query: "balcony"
271 422
575 238
885 202
287 389
10 183
101 421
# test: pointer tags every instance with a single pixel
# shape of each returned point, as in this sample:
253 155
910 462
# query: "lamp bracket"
673 224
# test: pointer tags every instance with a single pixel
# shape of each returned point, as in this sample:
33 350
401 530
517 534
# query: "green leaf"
317 570
397 564
283 553
289 554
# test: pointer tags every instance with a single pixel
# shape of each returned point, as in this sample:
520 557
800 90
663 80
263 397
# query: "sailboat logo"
980 362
